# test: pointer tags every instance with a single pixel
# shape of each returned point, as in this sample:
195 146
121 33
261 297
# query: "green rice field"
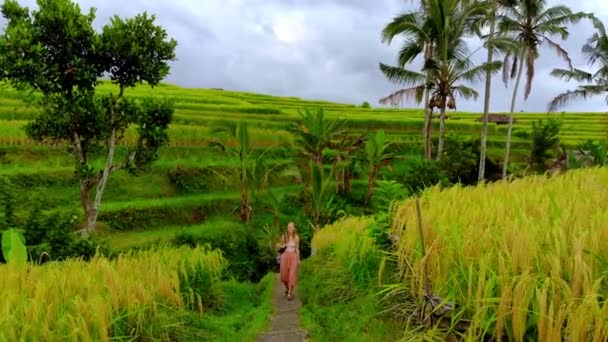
45 173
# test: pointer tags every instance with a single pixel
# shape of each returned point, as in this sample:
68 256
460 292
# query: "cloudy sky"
315 49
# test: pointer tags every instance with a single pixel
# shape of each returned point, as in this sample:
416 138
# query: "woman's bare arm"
298 248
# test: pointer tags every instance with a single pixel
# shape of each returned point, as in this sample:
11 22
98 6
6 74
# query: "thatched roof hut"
499 119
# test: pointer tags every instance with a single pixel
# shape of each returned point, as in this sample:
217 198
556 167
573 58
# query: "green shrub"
545 140
196 180
239 247
148 217
420 174
338 286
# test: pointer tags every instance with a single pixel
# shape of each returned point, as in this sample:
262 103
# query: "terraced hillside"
45 174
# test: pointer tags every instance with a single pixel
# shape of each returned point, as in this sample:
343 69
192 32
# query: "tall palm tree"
418 42
448 23
493 42
596 52
253 171
533 24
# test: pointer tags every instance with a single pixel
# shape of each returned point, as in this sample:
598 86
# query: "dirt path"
285 323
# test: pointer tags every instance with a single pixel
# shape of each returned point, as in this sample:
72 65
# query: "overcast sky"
316 49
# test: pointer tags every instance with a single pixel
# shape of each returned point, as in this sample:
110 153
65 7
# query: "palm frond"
403 95
402 76
465 92
409 51
407 24
567 97
574 74
561 52
479 73
530 58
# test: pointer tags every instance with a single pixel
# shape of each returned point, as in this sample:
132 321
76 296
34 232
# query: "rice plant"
136 296
522 260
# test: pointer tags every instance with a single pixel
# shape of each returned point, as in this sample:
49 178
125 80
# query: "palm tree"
596 52
314 133
532 24
447 23
342 160
377 156
319 184
492 42
253 171
418 42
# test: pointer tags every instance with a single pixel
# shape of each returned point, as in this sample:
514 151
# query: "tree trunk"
338 174
370 185
87 206
505 163
428 152
101 185
486 102
441 130
245 207
347 182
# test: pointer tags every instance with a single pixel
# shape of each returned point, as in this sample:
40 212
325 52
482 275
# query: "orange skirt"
289 269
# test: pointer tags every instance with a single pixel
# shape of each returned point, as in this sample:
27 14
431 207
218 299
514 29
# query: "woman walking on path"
290 259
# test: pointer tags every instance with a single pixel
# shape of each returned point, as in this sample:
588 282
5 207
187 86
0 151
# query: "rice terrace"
133 208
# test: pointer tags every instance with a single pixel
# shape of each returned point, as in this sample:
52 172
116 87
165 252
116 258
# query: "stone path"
285 323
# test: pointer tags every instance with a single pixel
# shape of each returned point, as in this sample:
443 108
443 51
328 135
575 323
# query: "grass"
339 286
125 240
524 259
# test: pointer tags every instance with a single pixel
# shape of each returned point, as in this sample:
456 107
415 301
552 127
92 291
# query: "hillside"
45 174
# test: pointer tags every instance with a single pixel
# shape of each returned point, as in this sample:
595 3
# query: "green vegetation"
214 176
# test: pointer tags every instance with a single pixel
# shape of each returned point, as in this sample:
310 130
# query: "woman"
290 259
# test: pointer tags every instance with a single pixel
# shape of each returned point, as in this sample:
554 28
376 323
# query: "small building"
499 119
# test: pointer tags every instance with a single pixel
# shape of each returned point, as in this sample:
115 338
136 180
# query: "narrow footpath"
285 322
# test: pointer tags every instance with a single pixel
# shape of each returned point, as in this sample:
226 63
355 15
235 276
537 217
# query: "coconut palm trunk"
428 115
441 129
486 101
505 164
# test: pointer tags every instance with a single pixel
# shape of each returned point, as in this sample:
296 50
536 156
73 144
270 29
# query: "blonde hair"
295 231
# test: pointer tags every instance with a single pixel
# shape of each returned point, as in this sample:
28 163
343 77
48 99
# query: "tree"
492 42
56 52
448 23
314 133
532 24
596 52
317 190
376 156
342 161
545 138
253 171
418 42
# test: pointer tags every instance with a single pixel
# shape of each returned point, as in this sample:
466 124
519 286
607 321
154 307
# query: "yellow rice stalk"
78 301
527 252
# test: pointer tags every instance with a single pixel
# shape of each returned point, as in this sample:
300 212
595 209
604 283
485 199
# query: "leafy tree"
376 156
596 52
532 23
253 171
56 52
